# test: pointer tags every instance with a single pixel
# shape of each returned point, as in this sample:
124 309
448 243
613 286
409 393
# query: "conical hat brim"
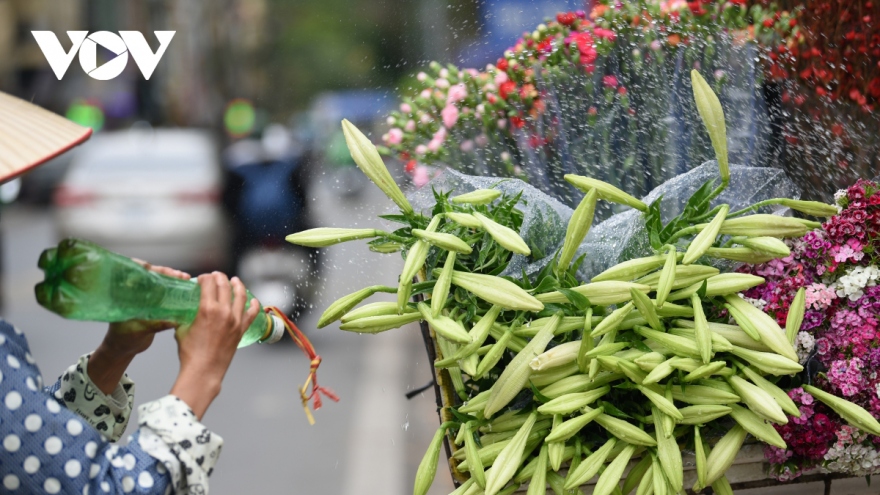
30 135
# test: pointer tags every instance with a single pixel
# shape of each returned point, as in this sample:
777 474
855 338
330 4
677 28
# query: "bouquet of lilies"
559 381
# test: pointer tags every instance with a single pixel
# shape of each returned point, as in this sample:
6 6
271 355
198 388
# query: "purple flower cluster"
838 267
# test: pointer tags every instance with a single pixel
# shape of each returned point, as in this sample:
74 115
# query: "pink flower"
656 45
434 145
441 83
501 78
421 76
457 92
426 93
444 73
609 81
395 136
420 176
405 108
844 253
421 149
819 296
449 115
410 126
472 72
482 140
467 146
846 375
502 123
605 34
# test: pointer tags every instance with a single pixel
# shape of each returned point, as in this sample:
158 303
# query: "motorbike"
266 190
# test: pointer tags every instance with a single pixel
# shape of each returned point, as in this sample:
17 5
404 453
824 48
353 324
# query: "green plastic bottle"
84 281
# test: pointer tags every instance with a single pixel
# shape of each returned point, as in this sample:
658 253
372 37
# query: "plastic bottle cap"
277 332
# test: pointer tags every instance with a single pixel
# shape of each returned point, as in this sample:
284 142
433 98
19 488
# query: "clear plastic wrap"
623 235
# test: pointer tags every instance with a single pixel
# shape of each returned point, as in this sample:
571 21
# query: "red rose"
697 8
583 41
545 47
507 88
501 64
566 18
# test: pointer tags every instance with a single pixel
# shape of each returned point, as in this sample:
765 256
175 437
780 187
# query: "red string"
315 360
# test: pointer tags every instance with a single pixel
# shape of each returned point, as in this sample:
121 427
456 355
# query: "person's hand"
207 347
125 340
129 338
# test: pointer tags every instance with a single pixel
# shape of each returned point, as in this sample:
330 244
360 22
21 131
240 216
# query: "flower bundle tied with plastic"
564 365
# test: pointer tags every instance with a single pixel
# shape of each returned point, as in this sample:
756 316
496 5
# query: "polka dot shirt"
57 439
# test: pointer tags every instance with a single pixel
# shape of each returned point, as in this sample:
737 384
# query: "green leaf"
653 222
423 287
640 345
527 284
462 417
702 290
579 300
550 310
612 410
396 218
543 399
471 312
697 204
546 284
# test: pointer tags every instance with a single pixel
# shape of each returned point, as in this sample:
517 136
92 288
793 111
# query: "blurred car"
149 194
38 184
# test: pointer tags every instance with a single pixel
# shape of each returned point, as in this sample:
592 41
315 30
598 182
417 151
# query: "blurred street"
369 442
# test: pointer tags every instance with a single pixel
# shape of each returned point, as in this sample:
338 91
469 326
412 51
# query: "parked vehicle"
152 194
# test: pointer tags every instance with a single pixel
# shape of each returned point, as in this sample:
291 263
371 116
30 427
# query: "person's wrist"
106 368
117 343
198 387
110 353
